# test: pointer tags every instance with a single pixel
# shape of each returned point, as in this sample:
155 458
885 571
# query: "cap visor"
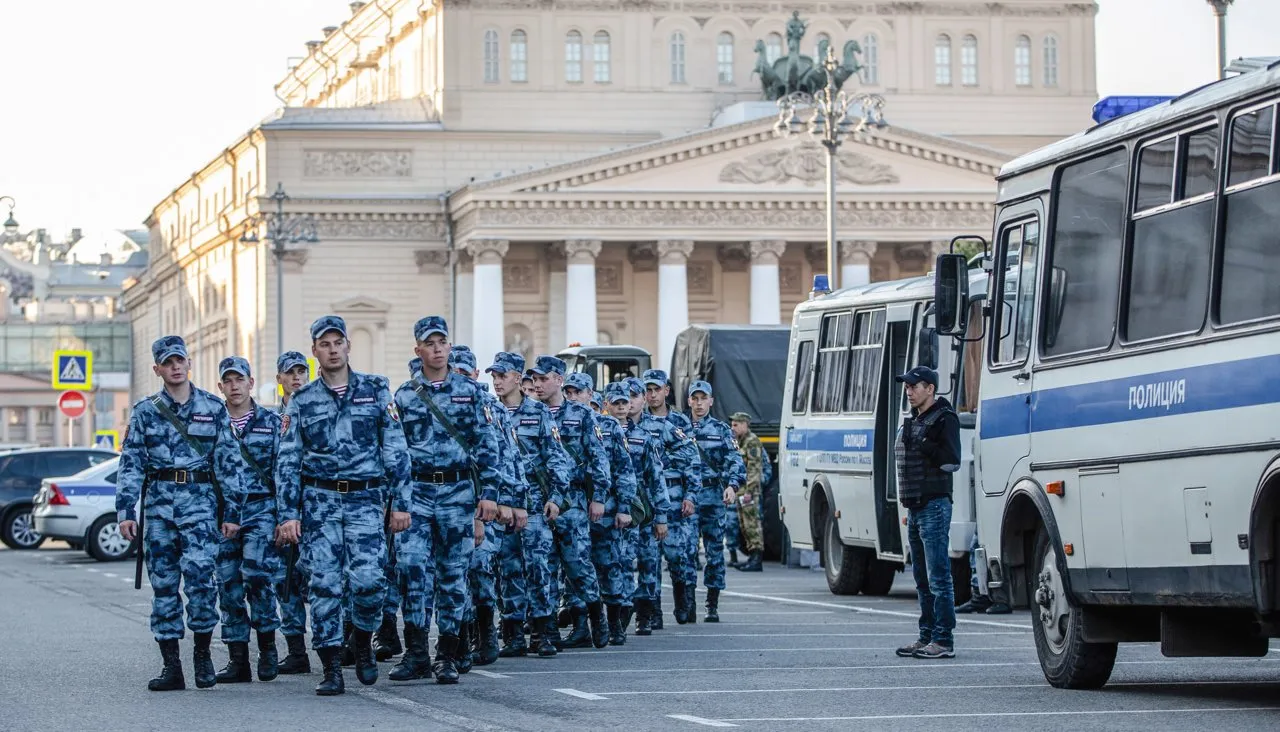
224 373
322 333
432 331
166 355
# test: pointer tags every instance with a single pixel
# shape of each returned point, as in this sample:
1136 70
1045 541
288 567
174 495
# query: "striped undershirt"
437 384
239 422
341 391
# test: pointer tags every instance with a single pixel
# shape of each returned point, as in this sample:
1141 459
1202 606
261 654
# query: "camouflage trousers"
293 611
525 572
571 550
732 534
752 529
433 556
627 541
607 557
650 552
249 565
483 575
180 546
346 549
710 523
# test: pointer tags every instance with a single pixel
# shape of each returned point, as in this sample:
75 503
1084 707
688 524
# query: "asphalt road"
75 653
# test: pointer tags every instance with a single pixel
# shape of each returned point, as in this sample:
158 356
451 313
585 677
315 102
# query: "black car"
20 474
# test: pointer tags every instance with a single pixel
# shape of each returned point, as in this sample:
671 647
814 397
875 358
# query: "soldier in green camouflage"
751 494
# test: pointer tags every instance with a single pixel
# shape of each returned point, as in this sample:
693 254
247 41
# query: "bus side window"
1249 287
1014 312
804 370
971 366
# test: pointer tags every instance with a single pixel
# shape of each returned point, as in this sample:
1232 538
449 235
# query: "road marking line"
831 635
862 609
906 665
777 612
429 712
969 687
91 569
581 694
488 674
126 579
874 649
701 720
959 715
110 574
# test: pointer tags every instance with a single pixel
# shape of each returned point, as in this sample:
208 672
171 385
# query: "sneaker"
999 608
935 650
909 650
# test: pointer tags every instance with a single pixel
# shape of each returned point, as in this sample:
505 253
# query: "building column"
4 411
580 323
766 297
855 262
673 295
31 424
488 313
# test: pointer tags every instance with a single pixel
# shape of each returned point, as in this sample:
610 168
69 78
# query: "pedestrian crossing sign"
73 370
107 440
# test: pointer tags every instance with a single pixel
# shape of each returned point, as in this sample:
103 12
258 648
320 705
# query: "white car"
81 510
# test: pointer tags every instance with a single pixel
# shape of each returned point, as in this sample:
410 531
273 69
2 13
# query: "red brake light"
55 496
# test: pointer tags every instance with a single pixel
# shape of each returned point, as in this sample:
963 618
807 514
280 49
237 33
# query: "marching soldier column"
438 499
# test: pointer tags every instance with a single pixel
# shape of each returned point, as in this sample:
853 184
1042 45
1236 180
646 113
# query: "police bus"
1128 444
840 416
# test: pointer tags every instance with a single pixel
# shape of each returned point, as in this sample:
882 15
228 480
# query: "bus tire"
846 566
1067 660
880 576
961 579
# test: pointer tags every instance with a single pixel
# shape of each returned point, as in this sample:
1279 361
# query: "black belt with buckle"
174 475
441 476
339 486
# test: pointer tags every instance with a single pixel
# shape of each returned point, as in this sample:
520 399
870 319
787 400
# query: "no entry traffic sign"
72 404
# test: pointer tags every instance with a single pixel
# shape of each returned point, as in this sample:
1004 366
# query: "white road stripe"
91 569
776 612
426 711
862 609
488 674
701 720
968 687
831 635
126 579
958 715
871 649
581 694
110 574
906 665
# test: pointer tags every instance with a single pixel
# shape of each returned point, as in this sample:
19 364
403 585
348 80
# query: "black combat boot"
203 661
462 658
268 660
516 646
445 666
616 635
681 610
581 635
237 670
366 667
625 614
655 613
296 662
348 657
331 667
691 602
170 678
486 636
713 605
416 661
546 646
599 629
753 564
386 644
564 619
644 608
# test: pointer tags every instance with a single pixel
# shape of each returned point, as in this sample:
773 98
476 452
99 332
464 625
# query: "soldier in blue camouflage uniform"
341 476
683 474
607 532
292 373
570 520
597 402
723 472
249 564
545 469
173 478
645 452
452 444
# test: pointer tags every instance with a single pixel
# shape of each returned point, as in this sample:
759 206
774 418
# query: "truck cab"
605 364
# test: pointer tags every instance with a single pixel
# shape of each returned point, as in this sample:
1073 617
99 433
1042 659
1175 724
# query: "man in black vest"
928 452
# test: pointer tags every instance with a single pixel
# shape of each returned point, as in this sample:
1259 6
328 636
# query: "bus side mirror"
927 348
951 294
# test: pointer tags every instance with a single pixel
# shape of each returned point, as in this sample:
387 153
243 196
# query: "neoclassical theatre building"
549 171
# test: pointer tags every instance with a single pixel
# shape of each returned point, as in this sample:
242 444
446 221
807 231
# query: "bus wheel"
1067 660
846 566
880 576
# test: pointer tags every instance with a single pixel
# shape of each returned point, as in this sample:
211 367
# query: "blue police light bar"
1109 108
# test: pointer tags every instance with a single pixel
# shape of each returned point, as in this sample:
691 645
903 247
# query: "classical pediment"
361 305
807 163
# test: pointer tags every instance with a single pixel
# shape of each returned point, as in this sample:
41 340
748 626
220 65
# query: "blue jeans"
928 532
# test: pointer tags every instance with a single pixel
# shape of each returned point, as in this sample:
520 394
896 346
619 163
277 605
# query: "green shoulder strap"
421 391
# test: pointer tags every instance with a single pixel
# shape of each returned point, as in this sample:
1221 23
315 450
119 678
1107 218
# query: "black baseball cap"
918 374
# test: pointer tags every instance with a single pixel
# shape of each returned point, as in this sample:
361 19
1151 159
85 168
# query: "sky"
105 107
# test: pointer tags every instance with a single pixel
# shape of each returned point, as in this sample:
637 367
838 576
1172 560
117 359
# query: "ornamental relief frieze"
747 7
379 226
969 219
806 163
357 163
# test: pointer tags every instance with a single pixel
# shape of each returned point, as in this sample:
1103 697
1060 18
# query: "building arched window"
773 47
573 57
677 58
1050 60
942 60
601 58
1022 61
519 56
969 61
724 58
491 56
871 59
819 57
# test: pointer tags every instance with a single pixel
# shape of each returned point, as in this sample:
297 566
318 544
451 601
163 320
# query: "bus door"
896 359
1004 417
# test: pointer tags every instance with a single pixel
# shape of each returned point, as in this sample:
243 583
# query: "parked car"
20 474
81 510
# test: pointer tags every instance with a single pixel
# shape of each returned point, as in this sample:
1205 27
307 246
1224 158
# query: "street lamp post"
1220 12
829 116
282 230
10 224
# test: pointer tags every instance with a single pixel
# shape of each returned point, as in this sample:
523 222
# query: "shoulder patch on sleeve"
284 424
488 416
392 412
680 433
555 433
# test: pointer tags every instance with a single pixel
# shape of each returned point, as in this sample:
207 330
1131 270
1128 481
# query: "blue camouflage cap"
326 323
233 364
634 386
580 381
415 366
597 400
617 392
657 377
528 375
461 357
701 386
505 361
288 360
167 346
548 365
429 326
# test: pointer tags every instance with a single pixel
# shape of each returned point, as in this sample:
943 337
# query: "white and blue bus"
1128 427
